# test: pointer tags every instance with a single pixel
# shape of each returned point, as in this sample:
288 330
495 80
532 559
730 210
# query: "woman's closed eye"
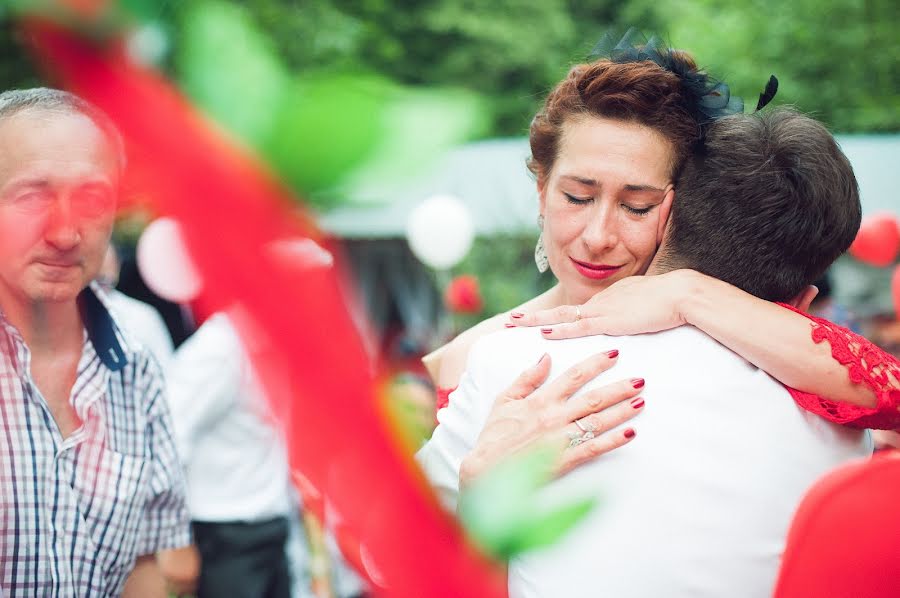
578 201
637 211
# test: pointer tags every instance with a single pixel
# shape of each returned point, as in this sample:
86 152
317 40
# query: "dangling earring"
540 255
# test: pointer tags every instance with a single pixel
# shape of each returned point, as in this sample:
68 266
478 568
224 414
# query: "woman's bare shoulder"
447 363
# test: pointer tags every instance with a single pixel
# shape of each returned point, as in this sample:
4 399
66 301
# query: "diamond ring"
585 425
575 439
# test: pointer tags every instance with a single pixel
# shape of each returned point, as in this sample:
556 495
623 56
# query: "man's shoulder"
506 345
496 347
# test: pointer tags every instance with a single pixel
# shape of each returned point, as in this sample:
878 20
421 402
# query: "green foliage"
509 52
506 513
837 59
317 127
16 70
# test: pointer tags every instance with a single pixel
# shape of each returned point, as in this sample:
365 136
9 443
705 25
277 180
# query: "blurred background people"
239 491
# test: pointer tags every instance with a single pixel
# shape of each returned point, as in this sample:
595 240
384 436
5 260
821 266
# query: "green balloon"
324 127
230 69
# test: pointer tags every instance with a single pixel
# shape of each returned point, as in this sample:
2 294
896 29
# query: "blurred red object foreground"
230 208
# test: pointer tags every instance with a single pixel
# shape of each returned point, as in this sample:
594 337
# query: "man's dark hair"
767 204
46 99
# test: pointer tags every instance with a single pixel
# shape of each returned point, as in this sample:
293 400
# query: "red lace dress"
867 364
443 397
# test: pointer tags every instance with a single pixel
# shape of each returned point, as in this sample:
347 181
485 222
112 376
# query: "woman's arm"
846 379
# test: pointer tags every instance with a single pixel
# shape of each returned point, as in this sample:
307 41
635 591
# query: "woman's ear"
542 195
665 209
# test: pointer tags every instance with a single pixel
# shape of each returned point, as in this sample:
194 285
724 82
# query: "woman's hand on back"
532 411
632 305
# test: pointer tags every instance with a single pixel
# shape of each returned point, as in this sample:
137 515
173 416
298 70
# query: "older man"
91 486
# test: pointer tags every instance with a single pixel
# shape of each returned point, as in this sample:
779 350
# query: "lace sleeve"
867 364
443 397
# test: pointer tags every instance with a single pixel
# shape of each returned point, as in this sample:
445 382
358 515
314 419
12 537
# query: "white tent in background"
876 162
489 177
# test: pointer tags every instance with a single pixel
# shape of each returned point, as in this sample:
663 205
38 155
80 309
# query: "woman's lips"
594 271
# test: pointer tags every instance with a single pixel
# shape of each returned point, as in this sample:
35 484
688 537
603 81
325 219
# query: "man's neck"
45 326
660 264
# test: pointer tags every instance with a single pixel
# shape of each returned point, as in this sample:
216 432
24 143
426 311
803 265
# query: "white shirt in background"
233 449
144 323
697 505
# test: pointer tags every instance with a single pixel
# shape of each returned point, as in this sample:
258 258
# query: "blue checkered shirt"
75 513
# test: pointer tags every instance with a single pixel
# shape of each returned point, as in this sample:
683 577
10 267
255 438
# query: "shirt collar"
103 331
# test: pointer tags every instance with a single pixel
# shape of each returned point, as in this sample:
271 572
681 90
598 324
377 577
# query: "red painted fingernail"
637 382
637 403
510 325
546 330
516 314
612 354
629 433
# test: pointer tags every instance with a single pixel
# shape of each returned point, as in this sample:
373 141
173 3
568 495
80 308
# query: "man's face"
58 184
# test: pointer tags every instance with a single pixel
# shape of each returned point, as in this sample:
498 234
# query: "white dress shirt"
233 449
698 504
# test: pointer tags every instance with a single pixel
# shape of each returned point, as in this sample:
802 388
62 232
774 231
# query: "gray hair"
46 99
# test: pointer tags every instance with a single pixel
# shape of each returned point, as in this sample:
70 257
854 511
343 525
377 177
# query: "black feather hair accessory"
711 99
768 93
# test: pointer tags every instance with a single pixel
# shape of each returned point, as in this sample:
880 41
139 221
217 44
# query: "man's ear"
805 298
665 209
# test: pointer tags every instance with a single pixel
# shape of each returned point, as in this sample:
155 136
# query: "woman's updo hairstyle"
648 84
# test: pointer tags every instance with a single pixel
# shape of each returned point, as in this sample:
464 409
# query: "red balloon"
895 291
878 240
463 295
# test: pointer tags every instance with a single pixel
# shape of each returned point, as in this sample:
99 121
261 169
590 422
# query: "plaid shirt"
77 512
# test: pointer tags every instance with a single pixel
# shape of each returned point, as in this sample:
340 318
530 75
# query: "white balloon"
164 262
147 45
440 231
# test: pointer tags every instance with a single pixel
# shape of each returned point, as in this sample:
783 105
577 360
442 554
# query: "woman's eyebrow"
582 180
594 183
643 188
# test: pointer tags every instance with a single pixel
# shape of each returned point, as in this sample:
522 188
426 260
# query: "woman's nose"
601 232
